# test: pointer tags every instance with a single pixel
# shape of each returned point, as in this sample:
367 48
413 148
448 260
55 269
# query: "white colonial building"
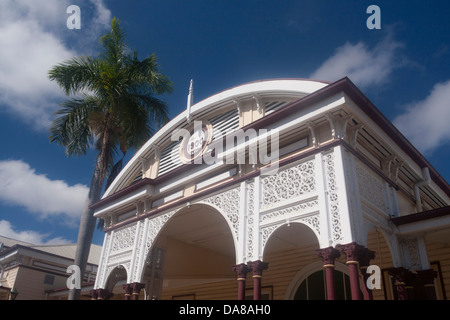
276 189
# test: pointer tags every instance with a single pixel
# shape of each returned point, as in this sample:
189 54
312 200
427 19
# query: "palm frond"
121 110
145 74
76 74
157 109
72 128
115 47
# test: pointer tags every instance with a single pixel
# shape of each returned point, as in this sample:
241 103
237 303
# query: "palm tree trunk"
87 226
87 222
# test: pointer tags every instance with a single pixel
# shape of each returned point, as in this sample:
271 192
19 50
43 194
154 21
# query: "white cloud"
29 236
363 65
22 186
102 15
25 90
426 123
33 38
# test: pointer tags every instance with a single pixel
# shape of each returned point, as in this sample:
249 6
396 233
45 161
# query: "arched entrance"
113 288
192 257
289 249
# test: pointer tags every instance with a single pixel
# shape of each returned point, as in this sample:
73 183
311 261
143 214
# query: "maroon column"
403 281
329 255
257 268
364 262
427 276
135 289
352 251
241 270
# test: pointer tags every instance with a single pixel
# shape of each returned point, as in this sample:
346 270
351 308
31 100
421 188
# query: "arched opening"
289 249
192 257
116 279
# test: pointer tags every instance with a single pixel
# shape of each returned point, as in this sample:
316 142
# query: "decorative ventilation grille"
137 178
224 123
170 158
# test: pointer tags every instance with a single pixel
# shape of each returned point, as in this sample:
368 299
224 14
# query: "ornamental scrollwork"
411 252
371 188
124 239
228 203
120 258
250 219
333 198
288 183
293 211
103 262
266 232
154 227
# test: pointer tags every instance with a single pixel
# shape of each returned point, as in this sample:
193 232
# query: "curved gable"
226 110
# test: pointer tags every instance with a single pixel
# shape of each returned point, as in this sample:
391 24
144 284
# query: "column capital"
402 276
136 288
427 276
257 267
241 269
104 294
352 251
128 290
328 255
365 256
404 281
94 294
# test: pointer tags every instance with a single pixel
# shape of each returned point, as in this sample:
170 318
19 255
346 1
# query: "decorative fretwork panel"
250 220
121 258
124 239
138 248
288 183
371 188
333 197
228 203
154 227
292 212
100 279
410 251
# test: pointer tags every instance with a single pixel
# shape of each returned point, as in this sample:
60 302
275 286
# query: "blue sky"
403 68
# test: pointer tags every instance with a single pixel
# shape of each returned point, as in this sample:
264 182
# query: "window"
49 279
314 287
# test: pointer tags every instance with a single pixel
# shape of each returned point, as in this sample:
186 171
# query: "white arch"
152 237
108 277
271 231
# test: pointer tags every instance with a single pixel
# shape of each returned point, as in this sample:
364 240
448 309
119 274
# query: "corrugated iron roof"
62 250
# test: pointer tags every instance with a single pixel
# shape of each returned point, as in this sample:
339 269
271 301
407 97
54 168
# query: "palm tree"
113 108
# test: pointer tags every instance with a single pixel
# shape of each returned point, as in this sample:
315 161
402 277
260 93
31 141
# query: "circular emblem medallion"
194 145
